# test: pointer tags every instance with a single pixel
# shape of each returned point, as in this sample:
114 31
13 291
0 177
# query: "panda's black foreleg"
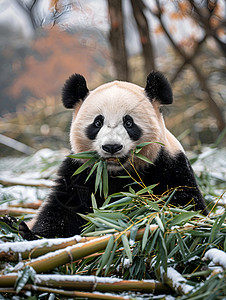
22 228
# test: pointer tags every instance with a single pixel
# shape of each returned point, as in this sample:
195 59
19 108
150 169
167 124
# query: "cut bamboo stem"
177 282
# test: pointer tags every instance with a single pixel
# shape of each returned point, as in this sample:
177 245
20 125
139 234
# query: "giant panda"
112 120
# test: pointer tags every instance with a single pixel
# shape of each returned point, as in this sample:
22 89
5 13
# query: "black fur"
158 88
74 90
72 195
132 129
93 129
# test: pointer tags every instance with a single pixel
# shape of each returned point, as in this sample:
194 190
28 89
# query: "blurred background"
43 42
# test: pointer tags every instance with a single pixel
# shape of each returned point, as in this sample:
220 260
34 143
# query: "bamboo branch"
17 211
202 80
26 182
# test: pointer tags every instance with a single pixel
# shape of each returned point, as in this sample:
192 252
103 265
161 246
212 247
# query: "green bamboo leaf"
140 146
144 158
92 170
94 203
160 224
183 218
169 198
147 189
121 202
84 155
107 214
98 175
133 234
153 205
106 255
216 227
85 166
152 241
28 273
109 223
127 247
145 236
105 179
163 252
110 259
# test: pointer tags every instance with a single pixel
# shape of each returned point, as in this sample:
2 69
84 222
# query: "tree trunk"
117 39
143 28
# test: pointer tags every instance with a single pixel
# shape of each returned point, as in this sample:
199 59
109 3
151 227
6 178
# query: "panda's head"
115 117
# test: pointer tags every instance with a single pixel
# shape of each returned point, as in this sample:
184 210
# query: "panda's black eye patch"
132 129
93 129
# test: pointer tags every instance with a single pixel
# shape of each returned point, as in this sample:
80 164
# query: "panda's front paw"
20 226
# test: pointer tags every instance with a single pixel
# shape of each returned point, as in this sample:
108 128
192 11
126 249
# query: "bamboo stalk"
73 294
90 283
17 211
26 182
34 205
32 249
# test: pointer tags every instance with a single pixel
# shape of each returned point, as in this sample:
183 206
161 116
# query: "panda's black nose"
112 148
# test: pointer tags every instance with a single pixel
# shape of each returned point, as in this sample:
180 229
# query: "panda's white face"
113 120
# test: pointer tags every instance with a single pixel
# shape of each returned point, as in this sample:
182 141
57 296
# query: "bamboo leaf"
121 202
147 189
91 171
127 247
84 166
106 255
183 217
133 233
98 175
160 224
145 236
94 203
27 273
163 251
105 179
144 158
110 258
216 227
84 155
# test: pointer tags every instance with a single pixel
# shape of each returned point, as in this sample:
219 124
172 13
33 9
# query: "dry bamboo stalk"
72 253
17 211
73 294
25 182
34 205
90 283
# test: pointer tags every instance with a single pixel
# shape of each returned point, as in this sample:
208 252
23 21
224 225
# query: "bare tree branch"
212 104
144 33
117 39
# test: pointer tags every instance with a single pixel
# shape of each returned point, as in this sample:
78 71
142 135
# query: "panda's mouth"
116 160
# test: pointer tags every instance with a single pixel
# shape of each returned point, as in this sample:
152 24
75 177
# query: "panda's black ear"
74 90
158 88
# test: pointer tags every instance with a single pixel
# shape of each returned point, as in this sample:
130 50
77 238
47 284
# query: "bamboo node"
70 255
